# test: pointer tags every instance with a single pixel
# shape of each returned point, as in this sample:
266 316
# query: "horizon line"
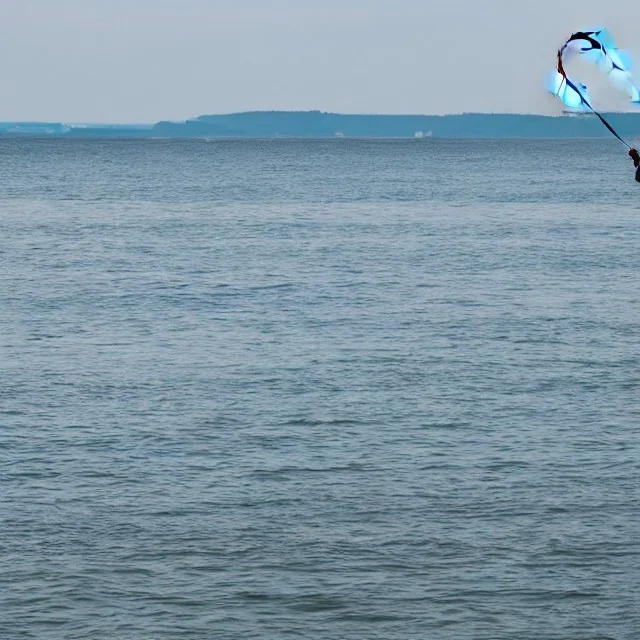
112 123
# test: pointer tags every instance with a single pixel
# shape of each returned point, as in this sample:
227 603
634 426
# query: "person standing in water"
635 156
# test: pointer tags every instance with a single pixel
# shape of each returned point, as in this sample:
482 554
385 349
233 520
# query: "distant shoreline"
323 125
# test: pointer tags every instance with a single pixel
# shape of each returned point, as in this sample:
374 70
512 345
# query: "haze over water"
342 389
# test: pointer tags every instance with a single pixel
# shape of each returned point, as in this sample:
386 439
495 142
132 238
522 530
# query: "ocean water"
319 389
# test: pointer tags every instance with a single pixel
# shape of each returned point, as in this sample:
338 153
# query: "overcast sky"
146 60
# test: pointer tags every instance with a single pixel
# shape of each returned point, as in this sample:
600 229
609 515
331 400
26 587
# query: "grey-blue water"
325 390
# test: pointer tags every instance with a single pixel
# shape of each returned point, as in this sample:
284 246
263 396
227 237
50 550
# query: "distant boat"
576 113
421 134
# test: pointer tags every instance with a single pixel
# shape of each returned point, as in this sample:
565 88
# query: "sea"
319 389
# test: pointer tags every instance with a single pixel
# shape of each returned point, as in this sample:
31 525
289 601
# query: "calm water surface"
325 390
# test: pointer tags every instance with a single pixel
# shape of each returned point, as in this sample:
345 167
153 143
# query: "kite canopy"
597 47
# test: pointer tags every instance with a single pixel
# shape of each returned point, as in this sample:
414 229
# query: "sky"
135 61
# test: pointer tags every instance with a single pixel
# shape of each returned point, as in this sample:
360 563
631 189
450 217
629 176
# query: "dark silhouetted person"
635 156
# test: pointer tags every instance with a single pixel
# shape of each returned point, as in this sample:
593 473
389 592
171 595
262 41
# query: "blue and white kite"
598 47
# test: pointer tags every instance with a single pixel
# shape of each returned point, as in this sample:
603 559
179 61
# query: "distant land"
319 124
